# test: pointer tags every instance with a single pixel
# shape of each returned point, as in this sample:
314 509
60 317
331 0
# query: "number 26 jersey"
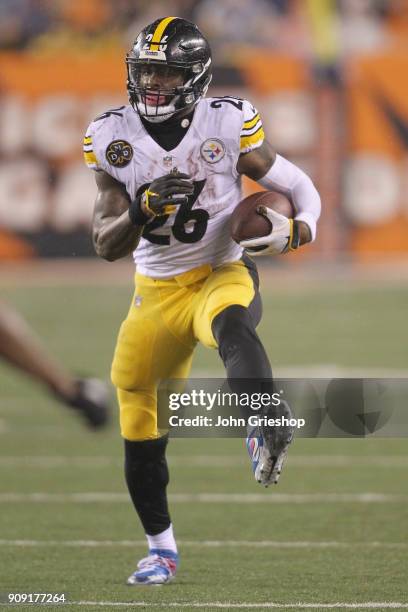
198 232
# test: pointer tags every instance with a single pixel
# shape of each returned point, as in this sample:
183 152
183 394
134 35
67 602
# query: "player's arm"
276 173
114 235
118 222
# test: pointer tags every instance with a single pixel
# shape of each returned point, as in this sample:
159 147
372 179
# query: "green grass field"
334 530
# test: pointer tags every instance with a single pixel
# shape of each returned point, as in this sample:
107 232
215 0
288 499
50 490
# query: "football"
247 223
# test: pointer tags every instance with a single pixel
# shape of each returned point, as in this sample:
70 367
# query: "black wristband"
136 215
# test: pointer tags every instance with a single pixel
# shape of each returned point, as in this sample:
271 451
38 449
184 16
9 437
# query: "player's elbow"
106 253
110 252
102 248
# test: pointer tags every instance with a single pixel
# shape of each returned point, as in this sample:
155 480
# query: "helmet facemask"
159 102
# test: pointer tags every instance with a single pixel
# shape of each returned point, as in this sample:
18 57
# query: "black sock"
147 477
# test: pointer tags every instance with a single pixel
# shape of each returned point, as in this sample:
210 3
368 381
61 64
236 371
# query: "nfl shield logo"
168 161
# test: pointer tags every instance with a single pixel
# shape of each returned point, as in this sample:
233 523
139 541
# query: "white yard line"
199 461
373 605
209 498
200 544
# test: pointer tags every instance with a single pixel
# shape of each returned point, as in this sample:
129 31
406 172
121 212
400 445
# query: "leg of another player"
21 348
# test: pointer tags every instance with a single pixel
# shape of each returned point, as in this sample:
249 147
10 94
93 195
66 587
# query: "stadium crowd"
353 25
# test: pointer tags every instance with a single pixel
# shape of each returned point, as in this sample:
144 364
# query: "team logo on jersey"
119 153
212 150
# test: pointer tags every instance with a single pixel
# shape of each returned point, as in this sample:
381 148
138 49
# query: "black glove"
160 198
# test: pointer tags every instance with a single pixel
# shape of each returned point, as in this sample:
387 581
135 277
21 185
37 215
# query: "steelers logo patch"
212 150
119 153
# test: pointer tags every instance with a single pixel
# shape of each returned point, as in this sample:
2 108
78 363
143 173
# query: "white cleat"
158 568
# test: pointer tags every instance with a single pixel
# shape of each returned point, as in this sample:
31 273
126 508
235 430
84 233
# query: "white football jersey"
198 232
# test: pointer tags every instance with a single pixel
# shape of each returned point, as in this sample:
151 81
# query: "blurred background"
330 78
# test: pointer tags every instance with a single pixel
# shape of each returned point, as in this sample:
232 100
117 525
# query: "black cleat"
277 441
268 446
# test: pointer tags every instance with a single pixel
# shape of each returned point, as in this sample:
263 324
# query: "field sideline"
333 534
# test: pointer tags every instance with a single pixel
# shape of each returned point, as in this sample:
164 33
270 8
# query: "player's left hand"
283 237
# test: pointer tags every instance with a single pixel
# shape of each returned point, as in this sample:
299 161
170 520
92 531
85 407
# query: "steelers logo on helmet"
119 153
212 150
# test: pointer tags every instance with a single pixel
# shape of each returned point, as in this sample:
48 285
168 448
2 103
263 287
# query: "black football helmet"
177 44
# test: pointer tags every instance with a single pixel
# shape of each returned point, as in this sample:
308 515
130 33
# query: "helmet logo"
119 153
212 150
157 55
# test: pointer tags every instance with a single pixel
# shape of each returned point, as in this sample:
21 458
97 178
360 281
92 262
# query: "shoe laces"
153 561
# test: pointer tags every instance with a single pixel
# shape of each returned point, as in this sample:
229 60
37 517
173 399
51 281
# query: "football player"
21 348
168 171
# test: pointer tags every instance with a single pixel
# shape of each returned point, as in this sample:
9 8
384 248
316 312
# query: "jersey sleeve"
89 154
252 134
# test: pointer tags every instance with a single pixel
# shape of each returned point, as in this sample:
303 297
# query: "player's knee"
239 346
124 375
138 414
132 360
233 325
138 425
238 343
121 379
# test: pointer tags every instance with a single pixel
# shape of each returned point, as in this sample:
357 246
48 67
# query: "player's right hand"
165 193
283 237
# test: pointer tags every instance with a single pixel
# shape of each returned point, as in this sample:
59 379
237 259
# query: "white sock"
165 540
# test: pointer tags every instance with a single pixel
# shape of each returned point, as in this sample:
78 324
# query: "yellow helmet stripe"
159 31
